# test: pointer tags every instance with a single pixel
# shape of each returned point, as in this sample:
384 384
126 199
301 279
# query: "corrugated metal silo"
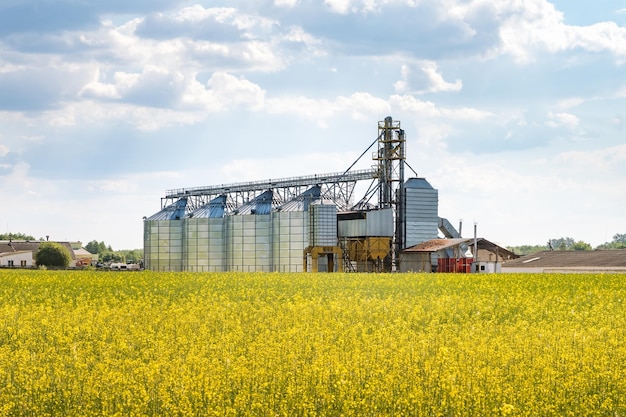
204 237
422 218
163 241
248 233
322 229
322 224
290 234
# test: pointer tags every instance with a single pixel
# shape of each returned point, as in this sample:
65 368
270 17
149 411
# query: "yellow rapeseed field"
78 343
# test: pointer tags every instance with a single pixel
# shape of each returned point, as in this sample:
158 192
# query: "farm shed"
569 261
84 257
454 255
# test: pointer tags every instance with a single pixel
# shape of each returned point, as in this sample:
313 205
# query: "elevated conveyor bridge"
338 187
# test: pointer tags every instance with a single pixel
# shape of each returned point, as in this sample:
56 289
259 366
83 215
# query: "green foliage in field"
52 254
77 343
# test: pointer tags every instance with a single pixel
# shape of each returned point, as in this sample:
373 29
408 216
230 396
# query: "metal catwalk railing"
273 183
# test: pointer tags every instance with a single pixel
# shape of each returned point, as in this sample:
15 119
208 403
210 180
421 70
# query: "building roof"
418 183
82 252
571 259
10 246
6 254
435 245
7 246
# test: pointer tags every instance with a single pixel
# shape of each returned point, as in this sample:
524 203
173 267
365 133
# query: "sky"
514 110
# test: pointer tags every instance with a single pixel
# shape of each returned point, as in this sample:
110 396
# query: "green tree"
527 249
580 245
132 255
97 247
619 242
110 256
52 254
619 238
15 236
92 247
562 243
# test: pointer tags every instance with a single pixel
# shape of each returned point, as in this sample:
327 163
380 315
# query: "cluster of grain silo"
251 237
307 223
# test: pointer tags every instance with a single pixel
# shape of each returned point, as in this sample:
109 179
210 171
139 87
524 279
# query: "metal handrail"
273 183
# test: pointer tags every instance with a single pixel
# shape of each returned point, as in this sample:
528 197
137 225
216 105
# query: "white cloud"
224 91
96 114
4 151
308 163
6 67
595 161
437 83
570 102
118 186
360 106
534 26
429 109
402 85
567 120
197 13
236 91
412 105
311 44
363 106
97 89
621 93
340 6
539 26
429 79
18 180
285 3
63 119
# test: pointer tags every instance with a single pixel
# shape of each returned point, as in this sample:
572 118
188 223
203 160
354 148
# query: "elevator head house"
300 224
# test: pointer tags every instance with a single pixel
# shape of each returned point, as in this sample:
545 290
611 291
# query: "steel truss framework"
338 187
391 157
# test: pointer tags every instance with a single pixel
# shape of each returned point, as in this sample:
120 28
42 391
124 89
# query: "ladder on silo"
347 263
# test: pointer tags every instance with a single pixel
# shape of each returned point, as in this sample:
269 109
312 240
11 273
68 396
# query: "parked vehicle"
120 266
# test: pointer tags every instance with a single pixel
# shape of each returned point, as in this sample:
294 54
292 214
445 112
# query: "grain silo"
163 245
291 231
297 224
422 217
248 235
204 237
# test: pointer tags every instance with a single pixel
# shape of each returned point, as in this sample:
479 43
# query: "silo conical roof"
213 209
261 204
174 211
301 202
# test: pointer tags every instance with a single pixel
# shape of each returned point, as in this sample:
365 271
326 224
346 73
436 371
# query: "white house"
21 259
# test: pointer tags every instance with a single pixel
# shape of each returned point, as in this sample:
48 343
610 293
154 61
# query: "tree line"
105 252
568 243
